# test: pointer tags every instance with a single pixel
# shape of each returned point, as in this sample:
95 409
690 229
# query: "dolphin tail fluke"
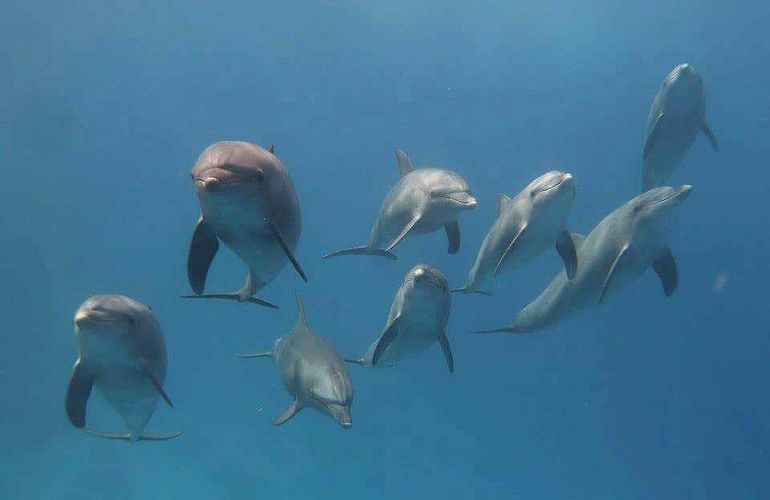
127 436
266 354
232 296
354 361
365 250
507 329
465 289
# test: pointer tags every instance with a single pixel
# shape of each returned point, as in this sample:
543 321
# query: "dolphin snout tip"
210 183
685 189
471 203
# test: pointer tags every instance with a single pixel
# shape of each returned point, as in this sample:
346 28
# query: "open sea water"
105 106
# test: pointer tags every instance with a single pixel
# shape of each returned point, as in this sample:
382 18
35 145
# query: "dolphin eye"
533 193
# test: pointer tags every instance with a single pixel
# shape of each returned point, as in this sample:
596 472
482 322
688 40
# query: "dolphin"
248 201
122 351
677 113
526 226
312 372
422 201
417 320
614 254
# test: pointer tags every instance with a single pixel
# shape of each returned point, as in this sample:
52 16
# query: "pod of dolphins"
248 202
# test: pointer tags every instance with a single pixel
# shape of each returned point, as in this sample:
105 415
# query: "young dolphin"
248 201
312 372
677 113
417 319
525 227
122 351
423 201
618 250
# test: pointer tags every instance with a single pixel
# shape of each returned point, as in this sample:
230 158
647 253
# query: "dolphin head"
451 190
684 81
427 277
228 169
106 320
332 393
553 189
658 205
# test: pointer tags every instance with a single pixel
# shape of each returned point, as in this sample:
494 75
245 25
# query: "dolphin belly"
131 394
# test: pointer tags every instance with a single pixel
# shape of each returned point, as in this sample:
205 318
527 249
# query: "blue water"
104 107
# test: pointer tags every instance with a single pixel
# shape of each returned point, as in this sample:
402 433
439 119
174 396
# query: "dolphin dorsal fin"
405 164
578 239
503 200
301 318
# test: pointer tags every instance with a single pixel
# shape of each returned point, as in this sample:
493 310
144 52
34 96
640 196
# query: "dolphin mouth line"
559 183
673 195
470 201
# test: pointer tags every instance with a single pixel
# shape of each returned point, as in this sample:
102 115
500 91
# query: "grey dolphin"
422 201
248 201
312 372
677 113
525 227
417 320
123 353
614 254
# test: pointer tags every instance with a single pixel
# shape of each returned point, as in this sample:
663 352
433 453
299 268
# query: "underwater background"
105 106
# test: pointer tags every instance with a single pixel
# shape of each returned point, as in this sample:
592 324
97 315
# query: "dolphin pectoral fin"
365 250
710 136
157 384
450 362
453 236
404 231
405 164
127 435
465 289
613 271
665 267
203 248
577 240
266 354
508 249
652 135
281 241
78 391
231 296
289 412
354 361
566 248
387 338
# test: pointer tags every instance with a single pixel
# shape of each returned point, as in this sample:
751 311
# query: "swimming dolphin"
525 227
677 113
312 372
248 201
618 250
123 353
417 319
422 201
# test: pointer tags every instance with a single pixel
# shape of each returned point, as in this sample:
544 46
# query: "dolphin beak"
465 199
341 414
211 184
683 191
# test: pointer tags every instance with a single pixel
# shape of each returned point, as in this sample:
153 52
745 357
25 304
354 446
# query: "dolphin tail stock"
364 250
127 436
468 290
